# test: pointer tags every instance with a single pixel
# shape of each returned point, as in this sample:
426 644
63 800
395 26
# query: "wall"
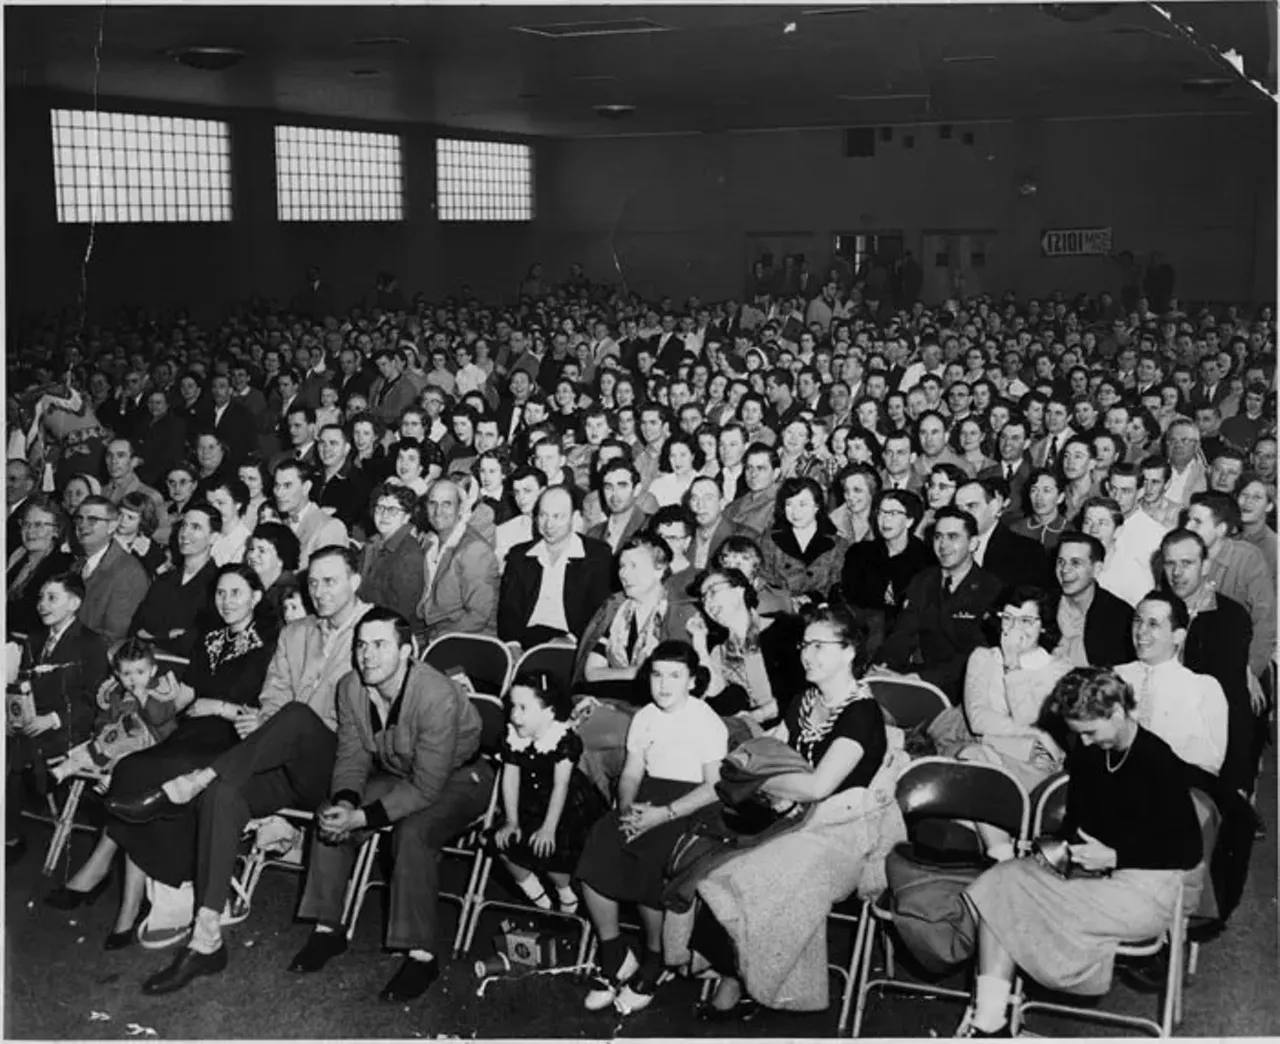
209 266
685 214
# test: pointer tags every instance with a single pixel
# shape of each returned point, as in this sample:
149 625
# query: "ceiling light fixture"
207 59
616 27
614 112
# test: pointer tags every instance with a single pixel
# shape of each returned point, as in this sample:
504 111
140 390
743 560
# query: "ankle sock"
568 899
206 933
532 887
324 929
990 1003
421 955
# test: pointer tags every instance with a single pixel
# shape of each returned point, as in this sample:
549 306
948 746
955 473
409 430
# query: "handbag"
926 899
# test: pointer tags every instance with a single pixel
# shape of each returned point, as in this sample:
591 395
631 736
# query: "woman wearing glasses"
38 558
940 491
392 571
762 923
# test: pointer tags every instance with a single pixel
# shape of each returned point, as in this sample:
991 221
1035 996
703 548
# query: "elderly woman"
136 531
674 749
39 558
803 553
228 666
177 604
63 706
752 659
272 553
1133 834
1042 519
1123 575
180 482
761 925
392 573
858 485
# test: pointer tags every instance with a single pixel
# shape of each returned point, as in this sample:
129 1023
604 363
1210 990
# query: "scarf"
630 641
811 730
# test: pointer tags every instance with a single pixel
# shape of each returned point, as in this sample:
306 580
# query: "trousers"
416 842
287 763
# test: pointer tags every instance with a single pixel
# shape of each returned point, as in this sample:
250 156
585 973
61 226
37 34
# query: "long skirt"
1064 933
632 871
166 848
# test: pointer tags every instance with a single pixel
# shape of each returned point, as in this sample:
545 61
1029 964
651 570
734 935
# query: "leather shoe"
188 965
123 940
318 950
64 898
411 981
153 804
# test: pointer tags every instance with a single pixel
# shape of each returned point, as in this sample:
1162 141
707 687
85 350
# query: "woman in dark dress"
176 608
44 526
227 670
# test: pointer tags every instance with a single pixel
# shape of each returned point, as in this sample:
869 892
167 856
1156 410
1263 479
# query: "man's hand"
337 821
41 724
247 720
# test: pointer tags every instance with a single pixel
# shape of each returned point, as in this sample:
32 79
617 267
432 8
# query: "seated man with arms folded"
408 758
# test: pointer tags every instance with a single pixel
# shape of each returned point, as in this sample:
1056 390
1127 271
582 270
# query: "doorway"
955 263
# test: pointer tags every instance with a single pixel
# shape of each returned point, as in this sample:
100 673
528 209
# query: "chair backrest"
943 788
907 701
1051 806
485 660
493 721
554 658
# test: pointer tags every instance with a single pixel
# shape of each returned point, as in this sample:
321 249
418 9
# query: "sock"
206 934
612 953
990 1003
324 929
421 955
532 887
568 899
184 789
1002 852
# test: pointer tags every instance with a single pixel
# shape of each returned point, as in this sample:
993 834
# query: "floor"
60 984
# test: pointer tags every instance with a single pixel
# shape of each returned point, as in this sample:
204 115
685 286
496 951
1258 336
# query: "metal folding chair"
487 662
553 658
1050 810
908 701
936 789
64 823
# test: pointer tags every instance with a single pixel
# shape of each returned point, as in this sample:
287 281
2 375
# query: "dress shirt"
729 483
1186 710
91 562
548 611
436 550
1071 622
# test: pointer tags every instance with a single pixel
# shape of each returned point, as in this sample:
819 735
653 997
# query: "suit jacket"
638 520
723 531
1108 629
359 383
315 529
161 444
933 636
915 482
309 389
1040 448
432 731
1014 559
255 402
237 429
347 493
387 402
753 514
462 594
21 603
586 586
1203 395
71 691
301 672
113 592
1217 644
1017 484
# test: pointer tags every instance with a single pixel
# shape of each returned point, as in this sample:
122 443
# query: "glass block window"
338 175
121 167
484 181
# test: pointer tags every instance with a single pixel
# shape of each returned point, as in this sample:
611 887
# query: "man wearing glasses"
114 580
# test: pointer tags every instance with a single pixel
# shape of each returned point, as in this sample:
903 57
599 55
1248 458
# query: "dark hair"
1089 693
1178 536
381 614
793 487
735 577
343 551
1018 595
849 625
737 544
1097 550
241 570
868 439
951 511
283 539
910 502
1107 504
849 471
676 651
1157 460
69 581
756 449
1179 617
549 689
133 650
656 546
689 442
234 486
403 495
306 473
673 513
209 512
1222 506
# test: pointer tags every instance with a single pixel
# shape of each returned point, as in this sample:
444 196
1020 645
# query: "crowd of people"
1059 512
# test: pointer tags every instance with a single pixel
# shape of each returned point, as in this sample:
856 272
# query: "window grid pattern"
121 167
337 175
483 181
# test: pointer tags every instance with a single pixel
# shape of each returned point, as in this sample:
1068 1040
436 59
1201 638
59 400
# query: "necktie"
79 565
1146 699
946 586
49 644
1008 471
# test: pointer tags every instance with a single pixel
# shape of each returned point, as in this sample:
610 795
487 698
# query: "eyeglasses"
891 513
37 525
809 643
388 509
1014 620
92 519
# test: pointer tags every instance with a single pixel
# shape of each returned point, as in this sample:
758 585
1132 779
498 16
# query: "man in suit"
284 758
230 420
408 759
712 529
511 409
620 485
1015 465
314 527
752 513
731 449
1057 415
1011 559
19 481
300 429
340 488
1096 626
161 440
552 585
1211 389
899 458
352 378
940 623
460 570
115 581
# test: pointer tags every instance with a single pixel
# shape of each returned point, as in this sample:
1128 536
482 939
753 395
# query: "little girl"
137 709
548 805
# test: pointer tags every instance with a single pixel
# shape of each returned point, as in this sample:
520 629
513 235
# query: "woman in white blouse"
230 499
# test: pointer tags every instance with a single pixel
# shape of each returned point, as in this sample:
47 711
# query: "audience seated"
115 581
34 558
460 570
293 481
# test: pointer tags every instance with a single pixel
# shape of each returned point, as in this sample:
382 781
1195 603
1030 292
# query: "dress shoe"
745 1008
123 940
318 950
64 898
411 981
188 965
153 804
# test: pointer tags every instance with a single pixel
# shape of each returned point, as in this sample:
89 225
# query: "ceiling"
718 67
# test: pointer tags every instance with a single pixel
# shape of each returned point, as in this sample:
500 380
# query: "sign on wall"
1075 242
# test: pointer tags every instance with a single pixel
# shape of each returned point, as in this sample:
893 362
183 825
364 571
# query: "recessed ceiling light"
207 59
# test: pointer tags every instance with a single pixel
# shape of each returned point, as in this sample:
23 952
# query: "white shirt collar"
574 549
94 560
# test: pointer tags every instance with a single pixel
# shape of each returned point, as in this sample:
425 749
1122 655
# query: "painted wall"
687 214
209 266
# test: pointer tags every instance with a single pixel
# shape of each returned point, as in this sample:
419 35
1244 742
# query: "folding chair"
1050 810
937 788
256 860
554 658
469 845
64 823
908 701
487 662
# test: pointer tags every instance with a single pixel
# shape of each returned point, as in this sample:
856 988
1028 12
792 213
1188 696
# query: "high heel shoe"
64 898
123 940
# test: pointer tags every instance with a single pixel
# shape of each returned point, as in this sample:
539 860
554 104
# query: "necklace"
1120 764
